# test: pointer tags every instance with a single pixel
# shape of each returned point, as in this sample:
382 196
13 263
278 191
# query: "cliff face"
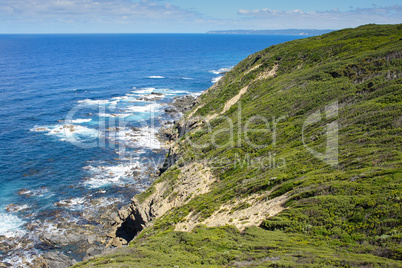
164 195
292 157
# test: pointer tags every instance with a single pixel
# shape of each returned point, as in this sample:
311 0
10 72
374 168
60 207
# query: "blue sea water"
59 94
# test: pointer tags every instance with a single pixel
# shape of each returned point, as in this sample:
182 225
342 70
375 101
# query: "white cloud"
90 10
334 19
160 16
266 12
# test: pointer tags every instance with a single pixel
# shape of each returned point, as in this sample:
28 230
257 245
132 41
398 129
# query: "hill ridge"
322 135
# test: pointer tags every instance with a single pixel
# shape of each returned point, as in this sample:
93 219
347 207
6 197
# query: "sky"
189 16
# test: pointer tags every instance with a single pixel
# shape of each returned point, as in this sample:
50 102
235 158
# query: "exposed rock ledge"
194 180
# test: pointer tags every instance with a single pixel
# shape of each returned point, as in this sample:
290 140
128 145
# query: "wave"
79 121
10 225
221 70
144 138
114 115
119 98
156 77
102 176
152 107
15 208
216 79
151 93
174 92
67 131
41 192
154 96
72 203
196 94
144 90
187 78
96 102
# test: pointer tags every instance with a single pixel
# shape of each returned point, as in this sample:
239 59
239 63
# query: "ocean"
78 118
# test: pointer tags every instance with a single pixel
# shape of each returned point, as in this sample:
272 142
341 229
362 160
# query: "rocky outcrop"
184 104
53 260
181 105
130 221
255 209
195 179
170 160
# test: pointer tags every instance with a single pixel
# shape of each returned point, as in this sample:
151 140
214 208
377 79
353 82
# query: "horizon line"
207 32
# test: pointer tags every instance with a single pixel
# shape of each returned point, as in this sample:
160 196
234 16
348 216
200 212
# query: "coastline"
132 218
98 235
58 190
285 204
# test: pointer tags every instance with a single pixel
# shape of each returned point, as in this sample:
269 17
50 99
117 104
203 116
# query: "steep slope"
292 159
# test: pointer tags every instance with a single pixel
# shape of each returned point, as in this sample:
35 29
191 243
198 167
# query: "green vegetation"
255 247
345 215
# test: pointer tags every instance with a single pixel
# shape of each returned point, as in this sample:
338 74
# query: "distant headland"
308 32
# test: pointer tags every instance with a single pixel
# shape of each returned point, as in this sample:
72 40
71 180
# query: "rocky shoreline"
99 232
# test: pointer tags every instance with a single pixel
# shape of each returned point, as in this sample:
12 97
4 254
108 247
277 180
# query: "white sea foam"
41 192
120 98
79 121
10 225
23 259
67 131
196 94
221 70
152 107
106 201
216 79
16 208
144 90
93 102
174 92
151 97
187 78
145 138
105 175
114 115
131 95
72 203
156 77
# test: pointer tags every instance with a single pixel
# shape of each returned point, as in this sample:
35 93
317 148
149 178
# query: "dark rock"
24 192
132 223
55 239
170 160
136 173
184 104
171 111
91 251
75 238
113 215
5 246
57 260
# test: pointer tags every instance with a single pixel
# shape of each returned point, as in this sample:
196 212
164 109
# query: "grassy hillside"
320 125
